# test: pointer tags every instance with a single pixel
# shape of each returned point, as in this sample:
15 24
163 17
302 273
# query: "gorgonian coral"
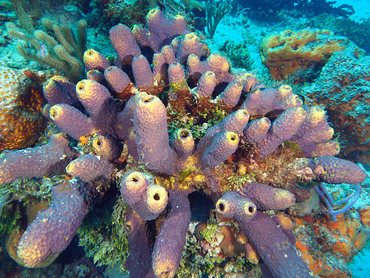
254 145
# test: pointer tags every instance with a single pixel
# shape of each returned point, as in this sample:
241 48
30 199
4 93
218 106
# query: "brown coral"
21 102
290 51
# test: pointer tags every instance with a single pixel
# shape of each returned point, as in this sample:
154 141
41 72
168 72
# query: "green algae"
238 54
103 234
236 182
10 220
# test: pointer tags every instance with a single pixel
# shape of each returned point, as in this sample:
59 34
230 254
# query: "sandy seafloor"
230 28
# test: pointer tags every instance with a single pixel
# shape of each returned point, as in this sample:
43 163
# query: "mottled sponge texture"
161 30
139 262
152 140
235 205
331 169
147 199
53 229
273 247
48 159
268 198
89 167
170 241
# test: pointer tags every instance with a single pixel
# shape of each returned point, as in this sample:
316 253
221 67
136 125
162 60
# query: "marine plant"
63 50
248 163
238 54
215 11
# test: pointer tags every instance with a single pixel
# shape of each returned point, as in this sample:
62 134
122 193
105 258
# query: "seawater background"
362 8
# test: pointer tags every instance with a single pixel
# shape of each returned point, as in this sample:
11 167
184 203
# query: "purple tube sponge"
331 169
124 43
248 81
232 92
53 229
268 198
152 203
314 131
131 144
161 30
235 205
133 187
176 77
186 45
152 140
93 60
273 246
261 102
107 146
234 122
142 72
159 67
322 149
257 130
178 26
125 118
95 75
206 84
194 67
169 244
182 142
48 159
286 98
71 120
139 261
283 128
169 54
99 103
117 79
89 167
223 145
59 90
220 66
214 62
147 199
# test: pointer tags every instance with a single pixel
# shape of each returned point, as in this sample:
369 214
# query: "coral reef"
345 237
21 103
345 91
289 52
251 177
